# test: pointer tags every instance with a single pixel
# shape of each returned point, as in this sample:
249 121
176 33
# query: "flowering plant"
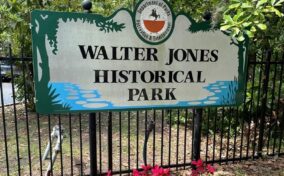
199 168
151 171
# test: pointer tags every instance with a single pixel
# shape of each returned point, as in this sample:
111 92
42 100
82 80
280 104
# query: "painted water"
222 92
79 99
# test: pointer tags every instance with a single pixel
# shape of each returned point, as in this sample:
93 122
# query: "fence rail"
228 134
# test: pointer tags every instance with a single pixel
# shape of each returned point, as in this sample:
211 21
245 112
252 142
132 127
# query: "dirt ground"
127 139
270 166
261 167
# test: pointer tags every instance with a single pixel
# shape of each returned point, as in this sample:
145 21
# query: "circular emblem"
153 21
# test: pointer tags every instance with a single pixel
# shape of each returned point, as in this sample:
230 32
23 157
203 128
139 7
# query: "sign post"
148 58
93 144
197 133
87 6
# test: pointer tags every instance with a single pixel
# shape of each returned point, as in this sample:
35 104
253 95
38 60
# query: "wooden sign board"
149 58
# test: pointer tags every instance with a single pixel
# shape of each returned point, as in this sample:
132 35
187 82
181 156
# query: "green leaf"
262 26
238 15
273 9
228 18
278 13
256 13
272 2
241 38
261 2
236 31
249 33
246 24
225 27
246 5
278 3
253 29
234 6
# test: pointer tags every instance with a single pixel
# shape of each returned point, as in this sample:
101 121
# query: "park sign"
148 58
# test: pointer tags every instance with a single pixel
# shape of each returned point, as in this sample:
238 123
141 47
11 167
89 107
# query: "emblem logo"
153 21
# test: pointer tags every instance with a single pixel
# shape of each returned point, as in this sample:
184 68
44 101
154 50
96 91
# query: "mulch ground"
261 167
270 166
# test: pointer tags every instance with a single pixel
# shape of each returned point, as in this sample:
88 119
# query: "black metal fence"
126 140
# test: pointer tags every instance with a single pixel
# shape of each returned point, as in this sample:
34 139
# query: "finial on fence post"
87 5
207 16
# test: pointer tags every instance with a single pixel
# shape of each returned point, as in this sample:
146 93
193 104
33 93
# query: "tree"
251 18
240 18
15 31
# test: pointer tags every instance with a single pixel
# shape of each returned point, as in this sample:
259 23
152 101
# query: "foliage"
15 17
221 120
241 17
177 116
247 17
198 10
261 20
148 171
24 84
154 171
15 30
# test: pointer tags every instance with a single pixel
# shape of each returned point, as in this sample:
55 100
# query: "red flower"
135 172
159 171
200 170
210 169
166 172
198 163
194 173
156 171
146 168
109 173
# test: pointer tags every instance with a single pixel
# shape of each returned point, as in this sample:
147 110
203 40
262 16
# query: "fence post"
109 136
93 144
263 102
197 134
